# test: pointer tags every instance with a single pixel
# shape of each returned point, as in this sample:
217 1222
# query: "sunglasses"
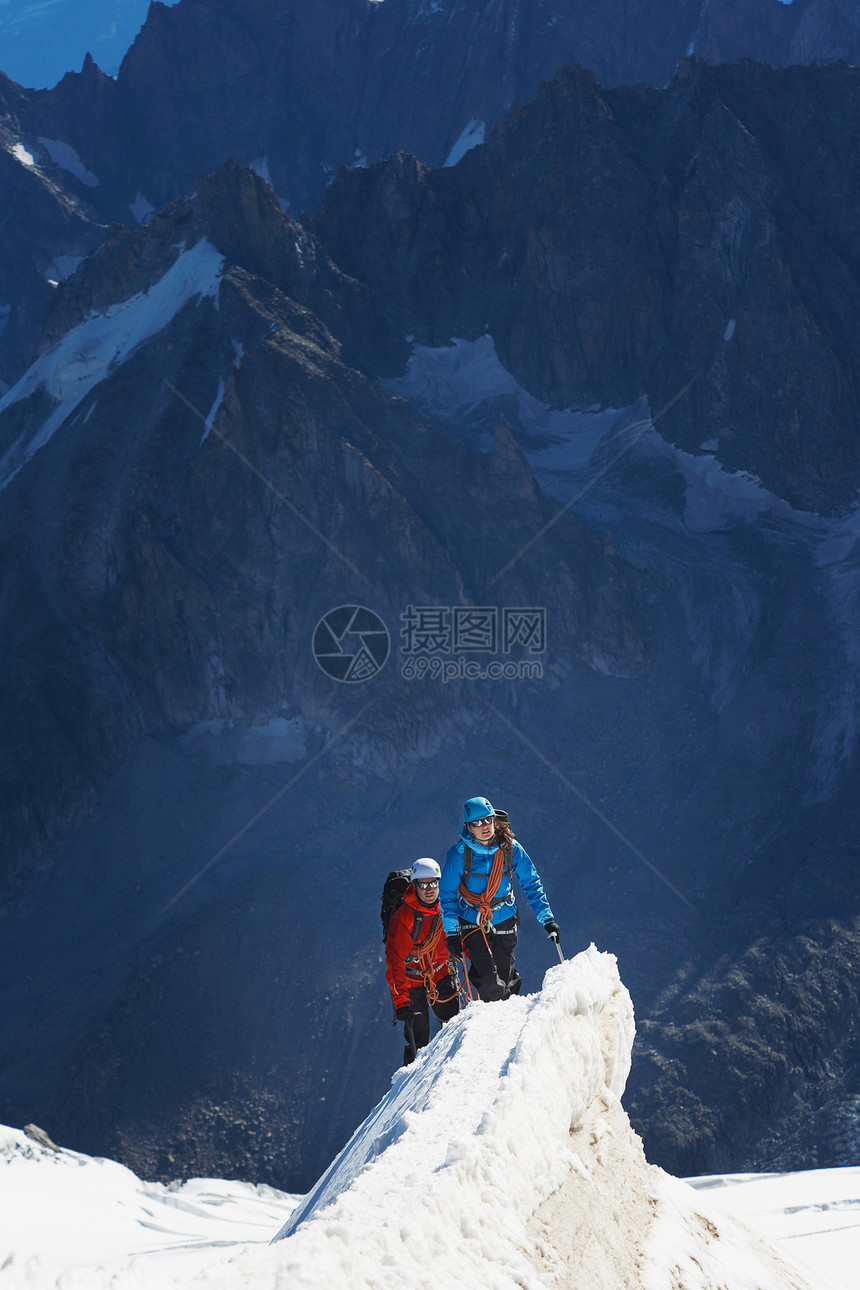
479 824
425 886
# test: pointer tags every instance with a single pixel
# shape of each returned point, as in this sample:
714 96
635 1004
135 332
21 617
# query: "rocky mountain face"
600 278
165 571
48 226
238 422
616 243
306 90
298 90
86 601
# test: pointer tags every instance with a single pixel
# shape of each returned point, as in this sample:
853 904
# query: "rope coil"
486 901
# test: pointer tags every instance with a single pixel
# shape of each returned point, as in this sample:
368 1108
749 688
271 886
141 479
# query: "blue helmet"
477 808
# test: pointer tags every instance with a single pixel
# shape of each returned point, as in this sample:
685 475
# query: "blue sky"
41 40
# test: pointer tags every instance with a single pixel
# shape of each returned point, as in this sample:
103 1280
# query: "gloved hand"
455 945
552 929
405 1012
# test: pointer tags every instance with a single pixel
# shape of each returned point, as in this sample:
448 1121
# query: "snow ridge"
479 1117
503 1159
464 1092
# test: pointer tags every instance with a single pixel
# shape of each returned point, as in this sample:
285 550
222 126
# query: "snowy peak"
237 212
526 1073
506 1154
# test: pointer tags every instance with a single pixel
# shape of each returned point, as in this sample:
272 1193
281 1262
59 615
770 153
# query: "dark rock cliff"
48 225
616 243
299 90
99 586
311 88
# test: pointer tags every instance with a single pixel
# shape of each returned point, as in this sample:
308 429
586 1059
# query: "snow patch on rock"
716 499
213 411
92 350
472 134
141 209
260 166
464 387
66 157
65 265
24 155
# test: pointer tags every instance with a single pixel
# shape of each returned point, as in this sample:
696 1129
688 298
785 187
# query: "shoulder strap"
418 921
509 860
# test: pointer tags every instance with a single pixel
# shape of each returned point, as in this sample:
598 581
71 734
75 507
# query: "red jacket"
403 967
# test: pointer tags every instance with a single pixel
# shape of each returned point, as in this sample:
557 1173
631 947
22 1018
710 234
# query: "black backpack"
392 894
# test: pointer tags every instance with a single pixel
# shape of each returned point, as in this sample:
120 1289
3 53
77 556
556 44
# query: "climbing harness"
487 901
420 962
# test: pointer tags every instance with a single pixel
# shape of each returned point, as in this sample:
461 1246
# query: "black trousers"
447 1005
492 970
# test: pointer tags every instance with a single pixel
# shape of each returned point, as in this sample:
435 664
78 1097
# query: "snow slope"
91 351
816 1212
464 387
501 1159
69 1220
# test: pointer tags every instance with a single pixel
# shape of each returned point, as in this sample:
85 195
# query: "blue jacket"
454 908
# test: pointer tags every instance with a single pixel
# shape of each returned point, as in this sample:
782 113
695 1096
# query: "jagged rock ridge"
298 91
623 242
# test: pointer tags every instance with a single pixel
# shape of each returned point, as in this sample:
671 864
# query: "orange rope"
477 928
424 963
466 988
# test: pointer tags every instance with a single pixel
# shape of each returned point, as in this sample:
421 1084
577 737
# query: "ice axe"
557 943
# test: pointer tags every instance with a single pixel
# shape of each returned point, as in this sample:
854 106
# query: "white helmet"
424 869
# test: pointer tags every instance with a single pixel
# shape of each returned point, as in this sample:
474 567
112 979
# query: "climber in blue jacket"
479 911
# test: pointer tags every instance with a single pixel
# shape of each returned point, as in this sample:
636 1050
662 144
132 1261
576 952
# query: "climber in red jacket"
417 964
